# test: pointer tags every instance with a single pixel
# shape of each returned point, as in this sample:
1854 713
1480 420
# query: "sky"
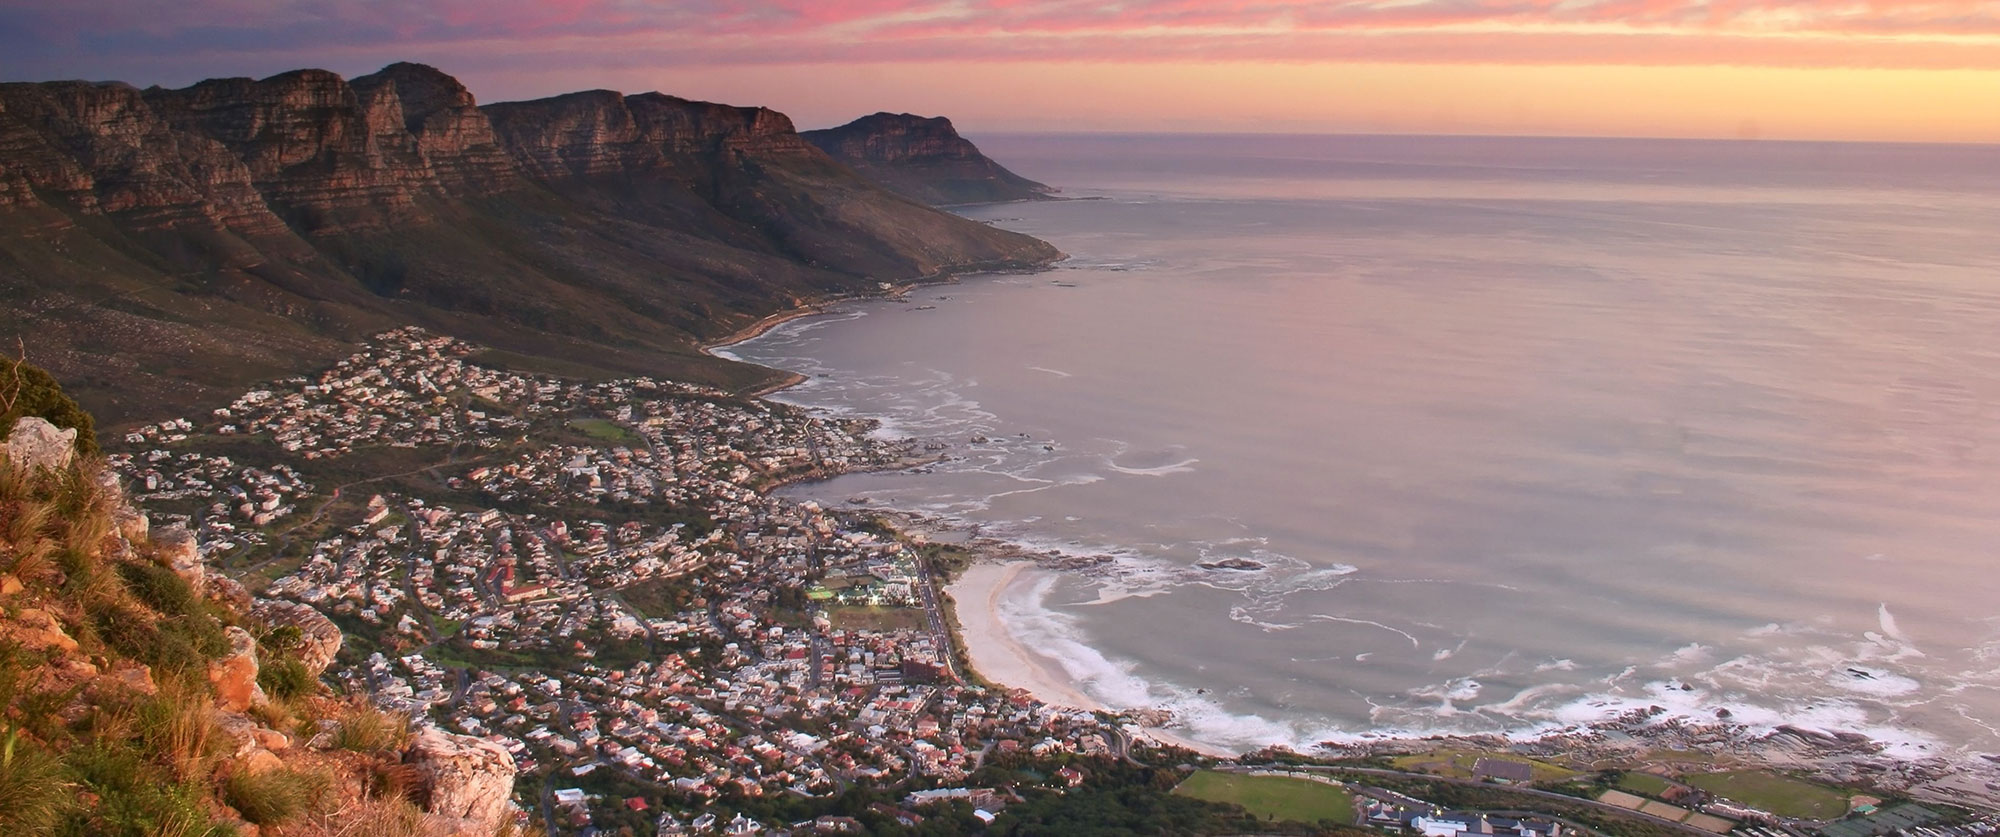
1914 70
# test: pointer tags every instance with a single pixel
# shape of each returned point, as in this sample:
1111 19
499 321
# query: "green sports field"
1272 797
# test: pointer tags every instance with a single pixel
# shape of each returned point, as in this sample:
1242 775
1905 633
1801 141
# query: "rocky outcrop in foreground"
247 229
116 664
466 781
924 159
319 637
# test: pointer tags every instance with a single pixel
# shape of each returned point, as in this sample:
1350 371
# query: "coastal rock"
133 525
464 779
319 637
1238 564
235 674
36 443
923 159
271 739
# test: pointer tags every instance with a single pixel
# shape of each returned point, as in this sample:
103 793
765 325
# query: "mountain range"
162 248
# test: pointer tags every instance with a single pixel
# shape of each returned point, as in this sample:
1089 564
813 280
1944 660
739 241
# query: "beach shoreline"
977 596
758 329
992 651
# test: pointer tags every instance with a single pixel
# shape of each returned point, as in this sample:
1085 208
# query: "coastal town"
628 598
600 578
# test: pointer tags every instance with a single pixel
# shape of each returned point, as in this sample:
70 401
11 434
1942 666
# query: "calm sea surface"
1522 432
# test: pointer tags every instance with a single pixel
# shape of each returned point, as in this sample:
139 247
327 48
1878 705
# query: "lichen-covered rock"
36 443
178 550
465 779
230 592
319 637
236 734
235 675
260 761
271 739
34 629
132 676
133 525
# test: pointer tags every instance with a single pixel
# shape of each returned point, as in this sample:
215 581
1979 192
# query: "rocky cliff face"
308 143
432 119
602 133
240 228
102 149
923 159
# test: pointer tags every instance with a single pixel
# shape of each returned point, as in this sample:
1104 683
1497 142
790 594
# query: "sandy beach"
1003 661
993 650
752 331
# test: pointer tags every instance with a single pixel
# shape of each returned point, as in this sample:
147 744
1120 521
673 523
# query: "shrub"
285 678
365 729
27 390
177 728
132 796
159 587
129 630
32 787
177 645
267 798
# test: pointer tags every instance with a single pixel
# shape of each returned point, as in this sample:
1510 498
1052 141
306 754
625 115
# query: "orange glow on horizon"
1244 97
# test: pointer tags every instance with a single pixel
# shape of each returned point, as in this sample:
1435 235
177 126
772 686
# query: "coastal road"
927 582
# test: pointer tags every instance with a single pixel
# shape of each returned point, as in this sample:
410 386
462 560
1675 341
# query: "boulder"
228 591
36 443
126 675
132 523
260 761
271 739
179 551
235 675
237 734
36 630
319 637
465 779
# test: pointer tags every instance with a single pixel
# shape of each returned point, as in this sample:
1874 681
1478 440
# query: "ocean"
1504 434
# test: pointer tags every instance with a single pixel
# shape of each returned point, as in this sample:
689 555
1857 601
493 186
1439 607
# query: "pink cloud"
582 33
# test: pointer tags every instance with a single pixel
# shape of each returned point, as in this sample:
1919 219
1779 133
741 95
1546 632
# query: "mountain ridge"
924 159
167 246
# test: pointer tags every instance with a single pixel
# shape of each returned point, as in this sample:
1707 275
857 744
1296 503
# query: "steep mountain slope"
162 247
923 159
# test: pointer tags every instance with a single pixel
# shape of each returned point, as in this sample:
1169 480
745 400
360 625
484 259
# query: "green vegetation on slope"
27 390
